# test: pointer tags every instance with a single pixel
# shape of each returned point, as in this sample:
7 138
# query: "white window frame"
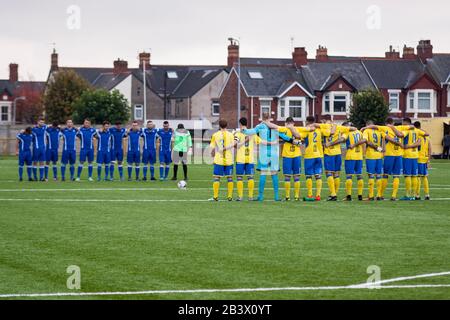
8 106
398 93
261 106
287 107
332 94
214 104
414 94
136 108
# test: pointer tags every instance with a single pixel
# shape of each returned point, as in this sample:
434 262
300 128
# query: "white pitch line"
420 276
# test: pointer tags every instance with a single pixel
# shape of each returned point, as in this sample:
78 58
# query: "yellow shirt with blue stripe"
357 152
313 143
392 150
424 149
219 141
340 131
290 150
411 137
375 137
246 153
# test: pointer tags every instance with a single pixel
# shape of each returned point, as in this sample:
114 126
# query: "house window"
292 107
421 101
336 102
215 108
424 101
5 114
172 75
411 100
138 112
394 101
265 106
255 75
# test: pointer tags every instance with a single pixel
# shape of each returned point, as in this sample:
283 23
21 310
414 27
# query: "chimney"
13 72
322 54
392 54
300 57
120 66
54 61
144 58
233 53
425 50
408 53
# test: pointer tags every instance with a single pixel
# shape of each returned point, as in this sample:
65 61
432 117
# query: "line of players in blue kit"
38 149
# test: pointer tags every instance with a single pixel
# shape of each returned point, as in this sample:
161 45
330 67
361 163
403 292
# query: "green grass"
144 245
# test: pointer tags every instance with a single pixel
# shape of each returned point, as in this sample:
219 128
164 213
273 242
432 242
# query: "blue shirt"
39 134
166 139
25 141
134 140
86 136
104 140
69 137
53 135
117 138
149 137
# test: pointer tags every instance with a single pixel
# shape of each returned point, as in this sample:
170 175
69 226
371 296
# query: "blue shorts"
313 166
149 156
69 156
25 158
374 166
133 157
39 155
393 165
51 155
165 156
103 157
410 167
87 154
333 163
423 169
222 171
245 169
117 155
292 166
353 167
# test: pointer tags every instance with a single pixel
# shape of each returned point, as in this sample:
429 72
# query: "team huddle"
38 148
388 150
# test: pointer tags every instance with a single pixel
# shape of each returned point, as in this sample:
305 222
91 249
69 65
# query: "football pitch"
149 240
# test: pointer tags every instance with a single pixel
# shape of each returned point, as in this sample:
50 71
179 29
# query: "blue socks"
80 170
90 170
262 185
166 173
275 182
63 172
152 171
20 173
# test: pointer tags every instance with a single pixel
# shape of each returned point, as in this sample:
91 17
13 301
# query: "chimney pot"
233 54
144 58
392 54
425 50
408 53
54 61
300 57
120 66
322 54
13 72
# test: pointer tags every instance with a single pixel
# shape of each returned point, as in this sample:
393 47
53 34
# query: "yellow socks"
414 181
395 186
331 186
337 184
379 188
309 186
371 188
240 188
384 184
216 186
419 181
408 185
426 186
251 188
319 184
349 186
230 189
297 189
360 187
287 188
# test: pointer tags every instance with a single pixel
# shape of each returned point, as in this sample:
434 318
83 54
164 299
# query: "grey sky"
196 31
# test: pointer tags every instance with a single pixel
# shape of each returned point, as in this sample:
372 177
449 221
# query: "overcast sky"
196 31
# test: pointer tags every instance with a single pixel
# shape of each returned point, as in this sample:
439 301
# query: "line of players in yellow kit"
389 151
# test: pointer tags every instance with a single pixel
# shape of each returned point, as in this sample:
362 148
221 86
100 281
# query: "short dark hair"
106 122
118 123
135 122
223 124
390 121
149 121
166 122
41 119
55 123
290 120
180 126
326 117
86 120
369 122
407 120
311 119
243 121
417 124
28 130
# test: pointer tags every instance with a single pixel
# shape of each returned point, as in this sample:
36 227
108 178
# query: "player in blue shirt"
149 136
52 135
118 134
86 135
165 150
23 150
39 149
103 150
134 150
69 135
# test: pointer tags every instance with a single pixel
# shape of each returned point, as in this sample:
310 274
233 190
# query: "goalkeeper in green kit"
181 149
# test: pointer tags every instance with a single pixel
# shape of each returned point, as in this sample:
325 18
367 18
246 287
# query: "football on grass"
182 185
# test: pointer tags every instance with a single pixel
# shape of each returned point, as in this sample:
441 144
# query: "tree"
30 109
368 105
101 105
66 87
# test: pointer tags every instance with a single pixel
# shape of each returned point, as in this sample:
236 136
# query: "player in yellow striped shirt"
222 145
354 162
425 153
245 160
375 147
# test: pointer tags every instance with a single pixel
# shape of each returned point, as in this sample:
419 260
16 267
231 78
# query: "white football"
182 185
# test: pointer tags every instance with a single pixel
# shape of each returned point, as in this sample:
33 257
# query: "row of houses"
415 83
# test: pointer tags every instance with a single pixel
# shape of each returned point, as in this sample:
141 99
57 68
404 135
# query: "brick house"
415 85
